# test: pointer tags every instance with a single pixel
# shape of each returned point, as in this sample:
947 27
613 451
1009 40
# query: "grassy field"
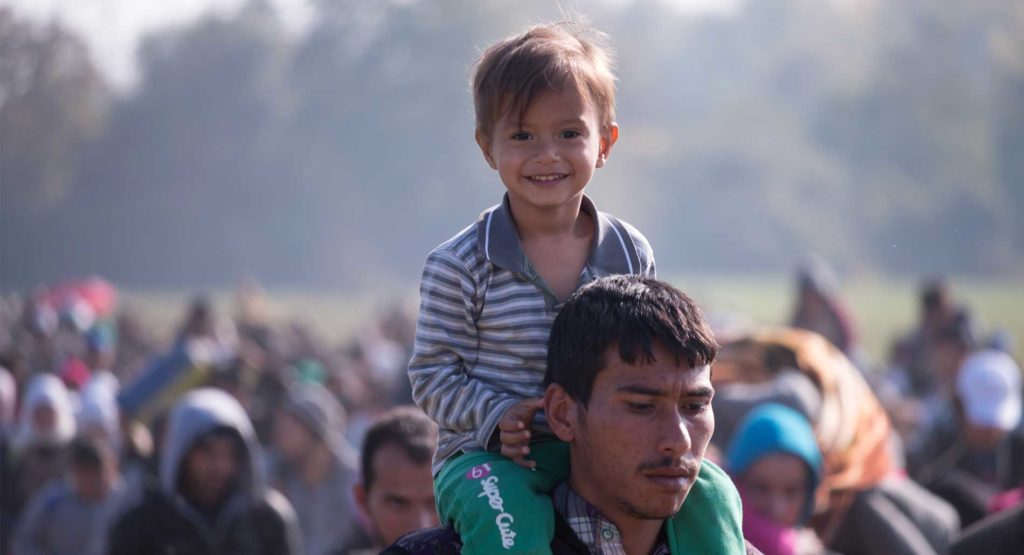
883 309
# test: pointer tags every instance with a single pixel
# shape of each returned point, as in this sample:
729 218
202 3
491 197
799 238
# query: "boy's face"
547 159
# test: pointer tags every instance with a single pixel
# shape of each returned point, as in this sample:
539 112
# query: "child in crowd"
777 466
545 121
72 516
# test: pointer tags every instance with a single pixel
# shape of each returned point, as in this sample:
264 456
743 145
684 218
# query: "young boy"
545 120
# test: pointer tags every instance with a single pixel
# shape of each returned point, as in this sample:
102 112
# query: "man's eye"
570 134
696 408
520 136
640 407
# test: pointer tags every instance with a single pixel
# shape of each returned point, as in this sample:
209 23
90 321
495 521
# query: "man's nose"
675 436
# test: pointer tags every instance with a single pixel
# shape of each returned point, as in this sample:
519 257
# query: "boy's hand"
515 430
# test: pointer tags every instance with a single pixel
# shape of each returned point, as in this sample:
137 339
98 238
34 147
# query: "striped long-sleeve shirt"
484 320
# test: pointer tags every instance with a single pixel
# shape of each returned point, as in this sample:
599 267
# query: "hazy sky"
113 28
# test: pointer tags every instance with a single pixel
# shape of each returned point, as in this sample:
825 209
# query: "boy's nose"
546 152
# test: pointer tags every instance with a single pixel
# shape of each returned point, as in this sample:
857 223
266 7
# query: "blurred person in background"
820 309
777 466
396 491
914 354
8 410
949 347
212 497
314 467
200 347
973 454
46 426
868 506
72 516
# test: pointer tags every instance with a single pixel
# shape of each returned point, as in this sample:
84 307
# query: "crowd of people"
566 400
235 435
240 432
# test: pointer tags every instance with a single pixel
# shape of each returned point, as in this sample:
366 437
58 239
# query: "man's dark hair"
409 429
630 312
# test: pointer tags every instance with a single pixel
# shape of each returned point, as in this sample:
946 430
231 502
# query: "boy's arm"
446 337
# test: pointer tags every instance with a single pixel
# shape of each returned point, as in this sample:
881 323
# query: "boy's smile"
548 158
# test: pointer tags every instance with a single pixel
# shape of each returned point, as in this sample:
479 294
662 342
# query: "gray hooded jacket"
253 520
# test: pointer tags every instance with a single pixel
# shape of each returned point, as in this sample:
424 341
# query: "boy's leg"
711 519
498 506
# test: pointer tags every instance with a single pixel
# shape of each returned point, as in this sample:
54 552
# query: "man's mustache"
668 463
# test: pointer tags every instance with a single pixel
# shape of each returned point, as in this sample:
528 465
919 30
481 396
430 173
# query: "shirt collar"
595 531
499 241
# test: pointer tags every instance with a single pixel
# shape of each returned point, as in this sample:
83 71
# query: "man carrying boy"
545 121
630 392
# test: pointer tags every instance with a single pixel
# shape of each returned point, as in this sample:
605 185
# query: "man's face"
211 469
401 498
638 445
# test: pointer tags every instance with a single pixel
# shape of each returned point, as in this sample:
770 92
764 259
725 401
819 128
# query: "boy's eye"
520 136
639 407
570 134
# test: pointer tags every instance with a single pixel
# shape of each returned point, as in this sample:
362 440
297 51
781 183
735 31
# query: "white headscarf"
46 390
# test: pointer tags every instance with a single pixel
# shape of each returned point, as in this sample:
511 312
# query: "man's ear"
485 148
562 412
609 135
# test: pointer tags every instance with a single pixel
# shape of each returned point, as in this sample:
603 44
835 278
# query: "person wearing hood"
212 497
46 426
314 466
777 466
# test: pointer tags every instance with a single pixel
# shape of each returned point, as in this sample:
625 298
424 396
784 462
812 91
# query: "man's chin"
652 509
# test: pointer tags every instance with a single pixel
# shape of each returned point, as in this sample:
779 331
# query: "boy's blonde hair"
557 56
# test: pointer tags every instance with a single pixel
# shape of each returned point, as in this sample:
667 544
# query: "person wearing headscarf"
212 497
46 426
775 462
314 466
866 504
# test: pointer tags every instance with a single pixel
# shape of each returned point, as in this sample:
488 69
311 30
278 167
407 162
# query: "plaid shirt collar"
591 527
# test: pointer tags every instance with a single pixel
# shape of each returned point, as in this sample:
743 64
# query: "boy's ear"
485 148
609 135
562 412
